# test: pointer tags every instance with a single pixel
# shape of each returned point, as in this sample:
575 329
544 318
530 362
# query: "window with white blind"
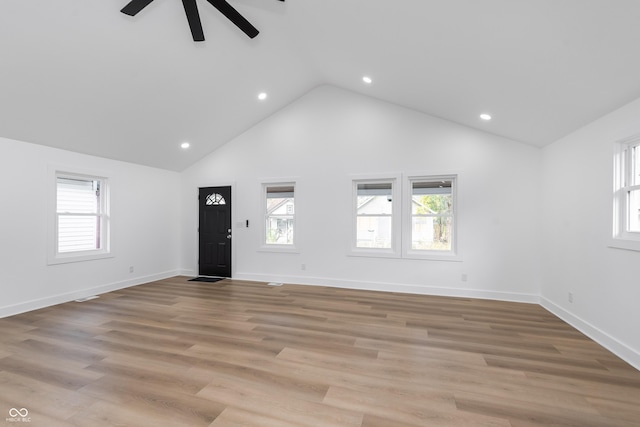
81 217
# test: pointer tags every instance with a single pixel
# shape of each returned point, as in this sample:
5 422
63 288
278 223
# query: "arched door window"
215 199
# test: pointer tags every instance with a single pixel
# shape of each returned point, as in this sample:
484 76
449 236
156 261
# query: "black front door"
215 232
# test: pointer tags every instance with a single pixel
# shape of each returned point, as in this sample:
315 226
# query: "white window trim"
395 250
53 256
622 238
279 248
407 251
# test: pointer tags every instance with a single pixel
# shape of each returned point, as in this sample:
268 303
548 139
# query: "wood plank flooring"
234 353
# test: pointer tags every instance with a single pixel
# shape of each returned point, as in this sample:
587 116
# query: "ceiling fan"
193 16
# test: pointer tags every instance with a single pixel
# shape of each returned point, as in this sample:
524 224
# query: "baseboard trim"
618 348
392 287
12 310
623 351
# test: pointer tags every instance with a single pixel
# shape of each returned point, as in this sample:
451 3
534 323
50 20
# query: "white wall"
531 222
145 212
578 211
329 134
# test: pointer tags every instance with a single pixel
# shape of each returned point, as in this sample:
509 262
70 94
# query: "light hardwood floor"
234 353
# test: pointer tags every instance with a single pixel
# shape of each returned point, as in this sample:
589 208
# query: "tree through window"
432 214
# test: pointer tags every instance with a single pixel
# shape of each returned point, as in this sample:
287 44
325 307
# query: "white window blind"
80 214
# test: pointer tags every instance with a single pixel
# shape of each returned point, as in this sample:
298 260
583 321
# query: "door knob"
228 236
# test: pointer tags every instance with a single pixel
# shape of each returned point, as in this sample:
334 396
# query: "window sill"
630 245
374 253
78 257
433 256
413 256
287 249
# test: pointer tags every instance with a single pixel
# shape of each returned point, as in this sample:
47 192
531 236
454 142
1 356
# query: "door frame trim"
234 246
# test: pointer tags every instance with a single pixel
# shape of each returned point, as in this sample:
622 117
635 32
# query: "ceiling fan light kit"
193 16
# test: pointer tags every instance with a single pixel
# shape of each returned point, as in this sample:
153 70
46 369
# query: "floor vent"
87 298
275 284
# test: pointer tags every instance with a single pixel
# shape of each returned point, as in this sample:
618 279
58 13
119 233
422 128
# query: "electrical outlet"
464 277
570 297
303 266
131 269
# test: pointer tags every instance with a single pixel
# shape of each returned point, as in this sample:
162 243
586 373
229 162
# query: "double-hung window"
82 223
279 212
376 216
627 194
431 219
415 221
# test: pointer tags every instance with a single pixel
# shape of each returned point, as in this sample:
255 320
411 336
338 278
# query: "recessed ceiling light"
262 96
185 145
367 80
485 116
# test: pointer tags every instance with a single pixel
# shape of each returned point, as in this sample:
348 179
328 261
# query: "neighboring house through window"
422 217
376 216
279 208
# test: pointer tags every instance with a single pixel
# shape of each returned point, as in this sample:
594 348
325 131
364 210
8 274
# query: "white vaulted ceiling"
80 75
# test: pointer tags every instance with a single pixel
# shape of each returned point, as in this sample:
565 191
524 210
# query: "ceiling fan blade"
135 6
234 16
193 16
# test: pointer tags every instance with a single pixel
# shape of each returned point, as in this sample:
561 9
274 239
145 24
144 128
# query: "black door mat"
207 279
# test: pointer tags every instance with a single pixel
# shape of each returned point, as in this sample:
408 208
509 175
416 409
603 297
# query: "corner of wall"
620 349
